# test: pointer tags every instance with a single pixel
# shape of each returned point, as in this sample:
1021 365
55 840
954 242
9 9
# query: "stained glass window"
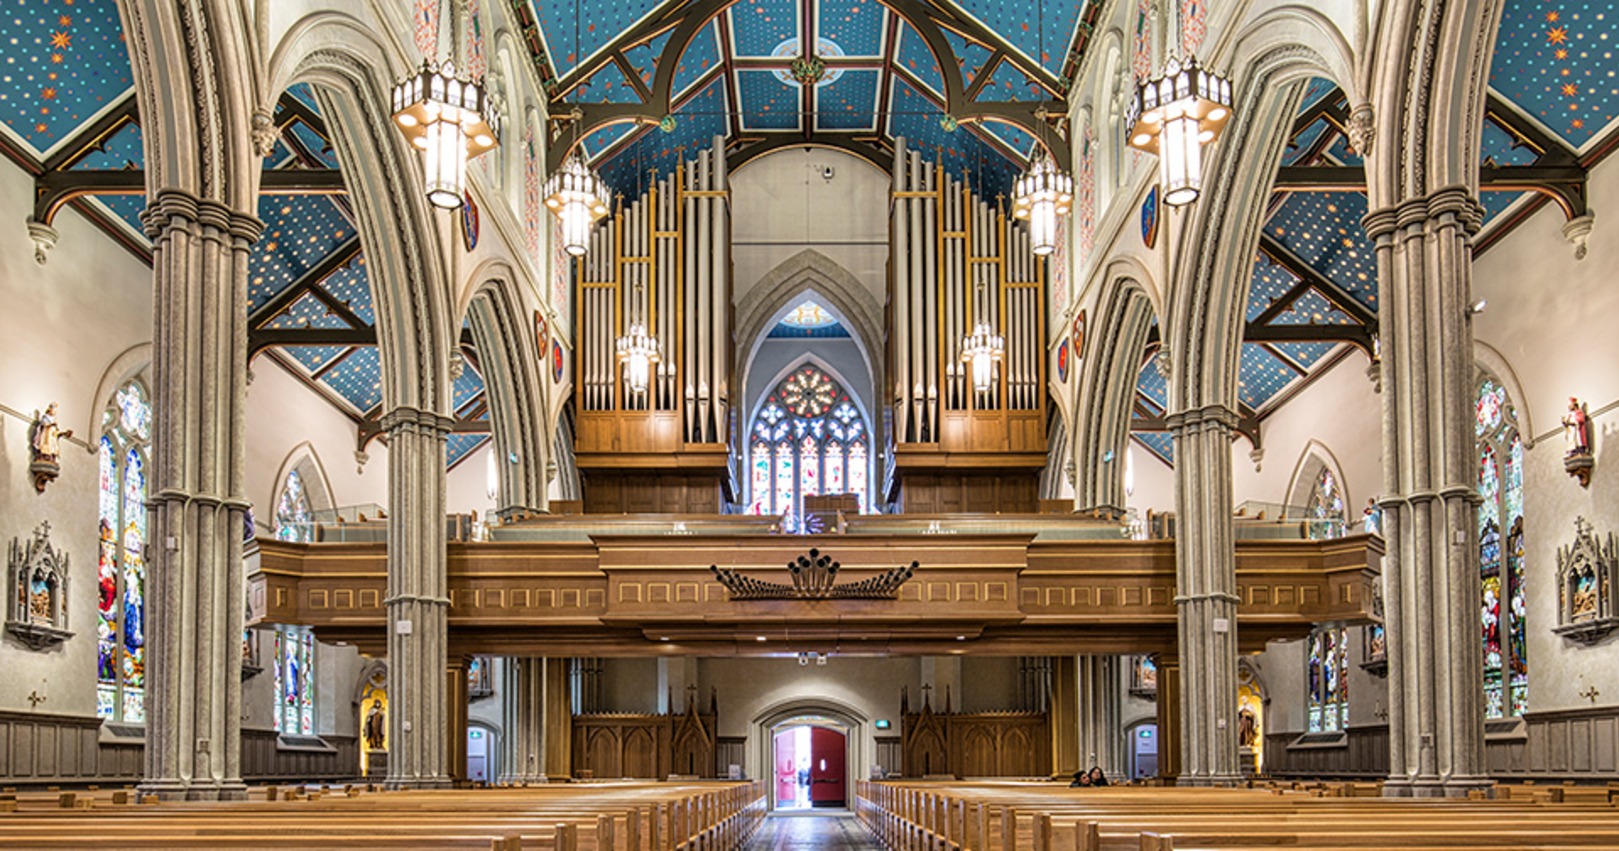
1503 607
121 557
807 438
1326 507
292 519
1328 679
294 680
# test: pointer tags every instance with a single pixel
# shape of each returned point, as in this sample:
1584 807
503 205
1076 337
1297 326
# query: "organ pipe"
663 259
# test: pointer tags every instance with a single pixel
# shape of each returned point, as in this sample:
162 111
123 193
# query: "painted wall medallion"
469 221
1149 219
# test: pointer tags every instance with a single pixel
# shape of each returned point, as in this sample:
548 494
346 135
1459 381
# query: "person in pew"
1096 777
1082 778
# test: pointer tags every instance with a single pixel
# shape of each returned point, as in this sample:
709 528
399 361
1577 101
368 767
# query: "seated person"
1081 778
1096 777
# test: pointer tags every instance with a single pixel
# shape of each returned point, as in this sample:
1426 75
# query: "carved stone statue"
45 443
376 729
1577 434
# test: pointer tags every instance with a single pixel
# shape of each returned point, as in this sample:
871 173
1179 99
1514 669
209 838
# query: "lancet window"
1503 610
1327 517
1329 680
292 518
121 558
807 438
294 680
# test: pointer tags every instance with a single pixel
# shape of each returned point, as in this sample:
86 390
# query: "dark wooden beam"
337 259
1340 298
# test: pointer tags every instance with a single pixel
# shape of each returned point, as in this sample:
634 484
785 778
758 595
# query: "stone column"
194 593
1169 716
1206 596
1101 700
1430 498
417 603
522 697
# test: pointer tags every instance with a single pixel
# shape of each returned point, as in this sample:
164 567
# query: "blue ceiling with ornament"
881 79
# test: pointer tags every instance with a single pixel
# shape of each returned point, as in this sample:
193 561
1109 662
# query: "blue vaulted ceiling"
882 79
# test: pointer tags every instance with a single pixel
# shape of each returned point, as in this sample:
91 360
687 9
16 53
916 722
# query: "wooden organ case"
957 260
662 260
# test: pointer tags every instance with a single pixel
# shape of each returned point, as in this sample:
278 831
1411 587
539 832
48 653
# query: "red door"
786 769
826 768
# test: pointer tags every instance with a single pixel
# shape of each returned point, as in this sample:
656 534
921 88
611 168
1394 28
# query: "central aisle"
811 833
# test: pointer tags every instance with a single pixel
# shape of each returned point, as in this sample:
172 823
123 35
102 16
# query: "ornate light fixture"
1173 116
808 69
450 120
1041 196
578 197
637 350
981 350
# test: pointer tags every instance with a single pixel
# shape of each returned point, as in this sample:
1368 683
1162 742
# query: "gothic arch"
317 486
1312 460
1490 359
1116 341
130 363
856 725
503 330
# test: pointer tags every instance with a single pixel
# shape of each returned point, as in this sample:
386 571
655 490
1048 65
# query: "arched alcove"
856 726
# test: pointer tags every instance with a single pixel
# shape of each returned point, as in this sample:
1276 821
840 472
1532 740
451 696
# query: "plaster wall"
781 204
282 415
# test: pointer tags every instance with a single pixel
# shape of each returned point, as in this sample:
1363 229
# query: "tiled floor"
811 833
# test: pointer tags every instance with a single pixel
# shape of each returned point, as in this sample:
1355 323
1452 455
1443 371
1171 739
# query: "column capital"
170 204
405 417
1457 202
1218 416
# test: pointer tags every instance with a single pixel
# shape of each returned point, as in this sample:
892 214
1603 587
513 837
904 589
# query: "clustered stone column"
1101 699
1206 595
1436 723
197 503
417 603
522 698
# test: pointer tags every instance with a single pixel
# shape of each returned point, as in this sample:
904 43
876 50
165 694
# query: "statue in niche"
1247 728
1577 434
376 728
45 443
37 611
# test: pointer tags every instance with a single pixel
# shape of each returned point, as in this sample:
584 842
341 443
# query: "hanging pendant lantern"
450 120
1041 196
1173 116
981 350
638 351
578 197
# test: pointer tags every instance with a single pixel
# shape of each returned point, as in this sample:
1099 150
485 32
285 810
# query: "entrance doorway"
478 753
1143 750
808 762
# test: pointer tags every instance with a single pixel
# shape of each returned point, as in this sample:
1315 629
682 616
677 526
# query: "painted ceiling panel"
1041 29
849 102
351 286
1304 142
459 446
299 230
1270 282
1323 228
1315 90
315 358
575 30
307 312
1313 308
916 118
1151 384
702 56
856 26
358 379
1500 147
697 122
64 63
1261 376
767 103
1556 61
644 56
1341 151
604 138
1009 83
1159 443
758 26
970 54
608 85
1013 137
128 208
466 388
1496 203
312 142
120 151
1306 355
914 56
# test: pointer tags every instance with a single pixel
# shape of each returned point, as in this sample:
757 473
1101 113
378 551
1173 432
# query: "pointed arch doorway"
809 759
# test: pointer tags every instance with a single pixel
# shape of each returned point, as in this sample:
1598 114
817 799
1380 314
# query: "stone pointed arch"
1116 341
503 330
305 459
1314 458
